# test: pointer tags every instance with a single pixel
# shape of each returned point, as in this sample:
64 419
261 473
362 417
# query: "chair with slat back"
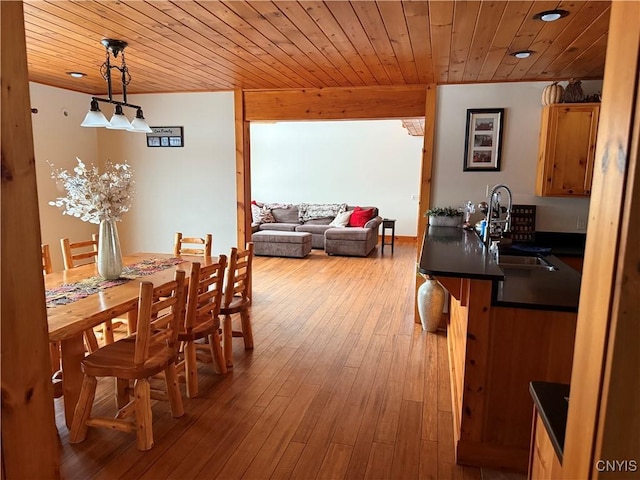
237 300
204 248
151 351
204 298
47 266
54 347
75 254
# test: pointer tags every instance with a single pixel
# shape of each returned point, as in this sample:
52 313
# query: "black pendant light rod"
107 74
115 47
115 102
124 84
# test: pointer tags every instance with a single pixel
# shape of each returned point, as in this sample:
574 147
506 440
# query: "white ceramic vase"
109 254
430 303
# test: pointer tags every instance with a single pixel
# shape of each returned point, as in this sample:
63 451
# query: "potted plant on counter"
444 217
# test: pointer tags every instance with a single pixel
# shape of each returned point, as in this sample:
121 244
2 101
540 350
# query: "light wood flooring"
341 384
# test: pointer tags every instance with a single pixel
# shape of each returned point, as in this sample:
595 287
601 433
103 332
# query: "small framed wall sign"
165 137
483 140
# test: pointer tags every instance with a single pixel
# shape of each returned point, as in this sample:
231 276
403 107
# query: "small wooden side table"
386 224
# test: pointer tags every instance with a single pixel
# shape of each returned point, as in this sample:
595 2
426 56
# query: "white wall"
189 189
521 101
357 162
58 138
192 189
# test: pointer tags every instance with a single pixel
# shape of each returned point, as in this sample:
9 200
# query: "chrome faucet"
494 212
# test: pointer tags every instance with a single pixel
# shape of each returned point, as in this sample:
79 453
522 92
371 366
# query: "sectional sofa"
319 220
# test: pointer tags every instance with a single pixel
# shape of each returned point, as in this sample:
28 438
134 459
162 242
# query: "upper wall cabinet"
567 149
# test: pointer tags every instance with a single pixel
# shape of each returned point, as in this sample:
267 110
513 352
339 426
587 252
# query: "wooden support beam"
243 171
426 171
603 422
29 443
360 103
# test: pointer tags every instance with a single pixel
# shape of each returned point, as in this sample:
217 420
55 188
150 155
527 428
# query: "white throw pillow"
341 220
255 214
261 214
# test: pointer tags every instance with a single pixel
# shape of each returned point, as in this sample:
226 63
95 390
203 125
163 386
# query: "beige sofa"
314 219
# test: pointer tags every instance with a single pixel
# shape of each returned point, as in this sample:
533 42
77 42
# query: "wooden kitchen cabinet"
567 149
574 262
494 352
543 462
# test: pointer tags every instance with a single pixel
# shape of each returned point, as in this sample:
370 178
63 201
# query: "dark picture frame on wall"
166 137
483 140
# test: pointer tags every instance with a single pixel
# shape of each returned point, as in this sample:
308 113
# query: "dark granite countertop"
561 243
455 252
540 289
458 253
552 405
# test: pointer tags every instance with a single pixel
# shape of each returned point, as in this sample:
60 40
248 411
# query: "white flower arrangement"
93 196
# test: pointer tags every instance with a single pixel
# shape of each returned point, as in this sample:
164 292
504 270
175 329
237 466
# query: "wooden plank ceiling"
182 46
414 126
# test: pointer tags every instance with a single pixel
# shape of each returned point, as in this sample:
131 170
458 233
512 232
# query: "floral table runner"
71 292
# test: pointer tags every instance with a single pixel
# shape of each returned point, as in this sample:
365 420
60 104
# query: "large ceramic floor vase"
430 303
109 254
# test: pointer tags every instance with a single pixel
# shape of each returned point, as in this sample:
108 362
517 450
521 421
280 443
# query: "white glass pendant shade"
118 120
94 117
139 124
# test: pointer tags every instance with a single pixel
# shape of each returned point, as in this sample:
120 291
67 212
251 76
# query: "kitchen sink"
517 261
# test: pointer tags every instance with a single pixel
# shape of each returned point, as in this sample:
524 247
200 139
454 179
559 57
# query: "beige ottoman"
274 243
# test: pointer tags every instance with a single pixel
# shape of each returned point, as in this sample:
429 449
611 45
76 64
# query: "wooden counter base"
494 352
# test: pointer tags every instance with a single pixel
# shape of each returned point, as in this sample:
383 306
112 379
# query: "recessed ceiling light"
523 53
550 15
76 74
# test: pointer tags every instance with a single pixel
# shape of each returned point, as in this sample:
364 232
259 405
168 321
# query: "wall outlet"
581 223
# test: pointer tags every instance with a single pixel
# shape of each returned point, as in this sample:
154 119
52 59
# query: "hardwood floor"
341 384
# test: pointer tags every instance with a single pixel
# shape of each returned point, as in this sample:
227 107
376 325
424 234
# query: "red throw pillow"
360 216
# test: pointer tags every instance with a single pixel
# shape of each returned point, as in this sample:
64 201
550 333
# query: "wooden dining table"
67 322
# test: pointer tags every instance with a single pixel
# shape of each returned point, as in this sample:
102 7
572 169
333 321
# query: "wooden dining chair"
201 321
54 347
75 254
237 299
180 242
151 351
47 266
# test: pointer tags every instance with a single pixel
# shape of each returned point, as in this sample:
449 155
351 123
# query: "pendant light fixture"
94 117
